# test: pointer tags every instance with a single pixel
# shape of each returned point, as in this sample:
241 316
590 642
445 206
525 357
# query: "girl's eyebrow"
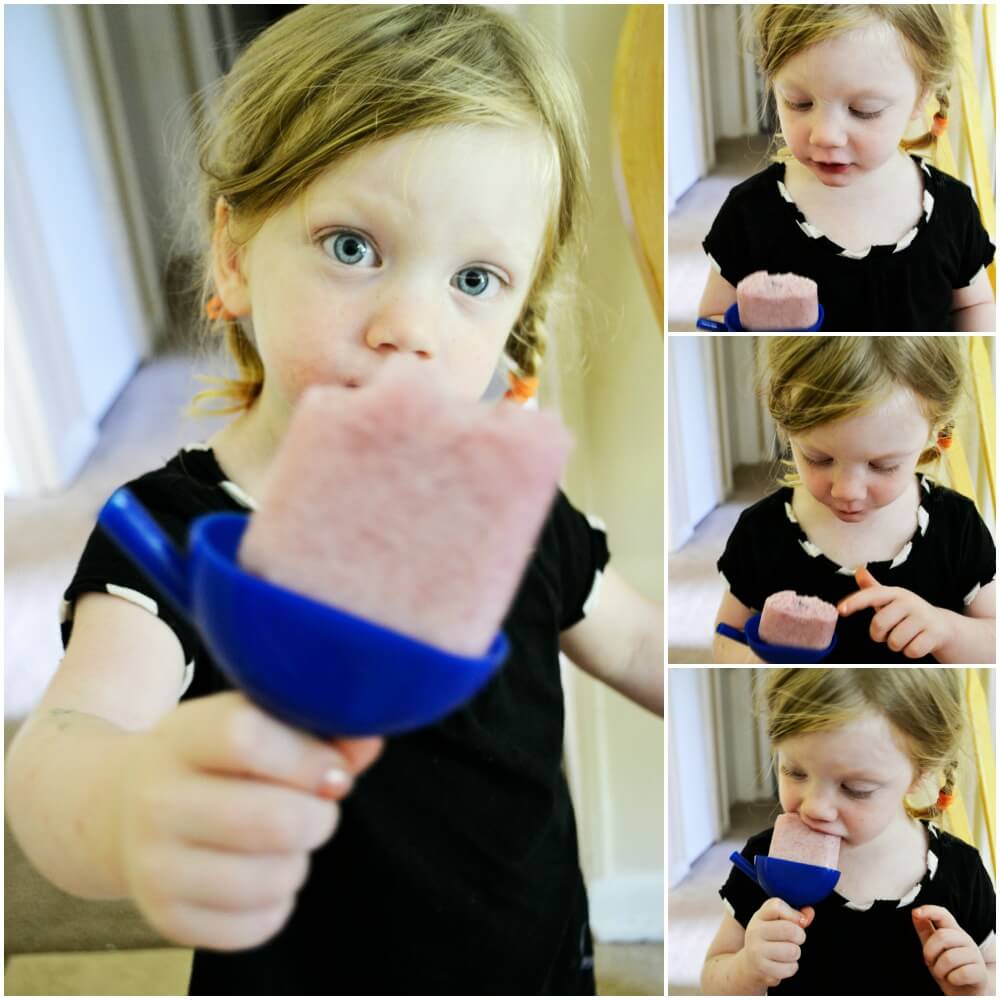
876 458
856 775
859 95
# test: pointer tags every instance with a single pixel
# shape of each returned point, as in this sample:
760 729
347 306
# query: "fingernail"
336 779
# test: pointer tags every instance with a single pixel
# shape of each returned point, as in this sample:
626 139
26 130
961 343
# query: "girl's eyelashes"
853 793
355 250
827 461
806 105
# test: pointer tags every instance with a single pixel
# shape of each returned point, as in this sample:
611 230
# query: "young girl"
375 180
913 912
858 415
893 243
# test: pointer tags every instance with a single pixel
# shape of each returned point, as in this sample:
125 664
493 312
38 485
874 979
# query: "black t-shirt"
949 558
875 951
904 286
454 869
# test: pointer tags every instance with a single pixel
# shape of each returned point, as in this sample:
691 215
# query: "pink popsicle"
777 301
408 507
789 619
794 841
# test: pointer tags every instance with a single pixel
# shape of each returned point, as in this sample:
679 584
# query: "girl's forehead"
866 742
895 421
869 58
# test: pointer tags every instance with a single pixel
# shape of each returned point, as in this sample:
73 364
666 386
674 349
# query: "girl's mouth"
832 169
849 515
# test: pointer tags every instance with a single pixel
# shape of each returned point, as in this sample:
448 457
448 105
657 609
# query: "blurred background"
720 134
100 361
721 452
723 790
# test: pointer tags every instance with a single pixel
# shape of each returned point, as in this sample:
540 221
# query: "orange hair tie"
522 387
216 310
944 440
940 124
944 800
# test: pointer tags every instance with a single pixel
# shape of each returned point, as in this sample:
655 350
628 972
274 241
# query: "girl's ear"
227 265
918 108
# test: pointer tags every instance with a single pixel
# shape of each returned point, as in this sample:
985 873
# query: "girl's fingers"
919 647
902 635
885 620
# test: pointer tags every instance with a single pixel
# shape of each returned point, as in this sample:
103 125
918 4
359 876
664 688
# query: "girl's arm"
620 642
122 672
718 296
725 972
973 634
725 650
973 309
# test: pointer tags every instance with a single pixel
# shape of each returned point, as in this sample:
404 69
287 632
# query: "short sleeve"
582 557
736 564
725 241
981 921
976 248
978 561
104 568
742 896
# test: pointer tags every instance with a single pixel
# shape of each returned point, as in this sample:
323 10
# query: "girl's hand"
953 958
773 941
217 815
904 622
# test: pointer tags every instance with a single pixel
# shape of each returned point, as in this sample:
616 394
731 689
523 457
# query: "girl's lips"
832 168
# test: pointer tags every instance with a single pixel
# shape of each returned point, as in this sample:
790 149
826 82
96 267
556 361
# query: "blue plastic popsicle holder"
307 663
731 322
749 635
796 883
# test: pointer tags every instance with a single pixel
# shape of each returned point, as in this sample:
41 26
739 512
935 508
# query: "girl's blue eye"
881 468
349 248
866 115
475 281
817 461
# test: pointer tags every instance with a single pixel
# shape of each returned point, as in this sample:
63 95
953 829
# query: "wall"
610 385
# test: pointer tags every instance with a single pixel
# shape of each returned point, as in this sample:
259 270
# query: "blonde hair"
809 381
782 30
329 79
924 704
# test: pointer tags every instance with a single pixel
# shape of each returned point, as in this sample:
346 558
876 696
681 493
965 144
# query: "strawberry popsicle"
792 840
408 507
777 302
789 619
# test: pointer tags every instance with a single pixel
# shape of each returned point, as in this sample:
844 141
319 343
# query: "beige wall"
610 388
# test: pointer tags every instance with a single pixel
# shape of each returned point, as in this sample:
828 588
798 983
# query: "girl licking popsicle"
913 911
909 564
893 243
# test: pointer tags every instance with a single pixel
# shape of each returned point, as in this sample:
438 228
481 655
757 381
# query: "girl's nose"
847 485
827 132
817 808
412 330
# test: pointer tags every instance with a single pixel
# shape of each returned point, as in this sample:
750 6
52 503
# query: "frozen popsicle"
789 619
408 507
777 302
792 840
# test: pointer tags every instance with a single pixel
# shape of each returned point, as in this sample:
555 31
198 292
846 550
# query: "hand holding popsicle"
952 957
774 939
219 810
903 621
